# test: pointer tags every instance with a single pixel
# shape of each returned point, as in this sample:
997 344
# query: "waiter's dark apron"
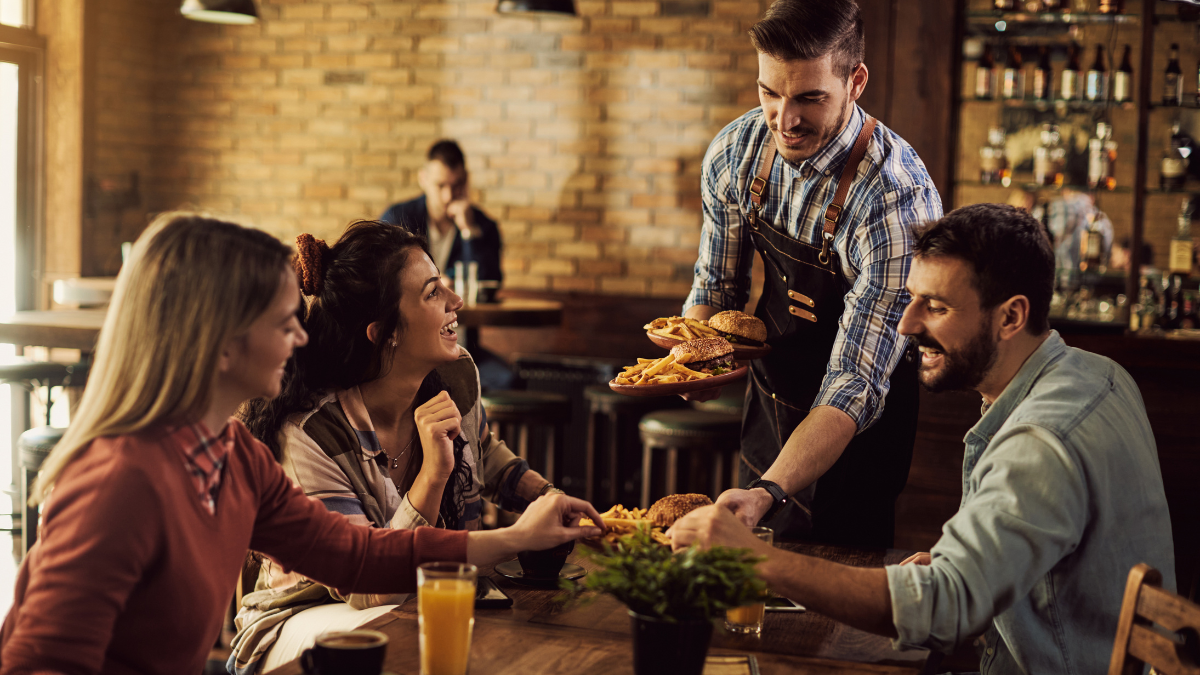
852 504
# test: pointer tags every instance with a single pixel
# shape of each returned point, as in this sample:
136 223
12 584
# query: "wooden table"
539 636
63 328
512 312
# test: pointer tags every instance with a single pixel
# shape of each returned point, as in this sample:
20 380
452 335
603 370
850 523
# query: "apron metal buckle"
824 255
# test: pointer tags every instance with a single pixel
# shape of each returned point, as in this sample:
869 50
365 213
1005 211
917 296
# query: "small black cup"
545 564
352 652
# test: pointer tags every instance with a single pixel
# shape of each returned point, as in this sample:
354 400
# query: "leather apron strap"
758 186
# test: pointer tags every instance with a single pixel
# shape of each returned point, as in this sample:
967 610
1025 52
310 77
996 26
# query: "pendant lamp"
241 12
540 6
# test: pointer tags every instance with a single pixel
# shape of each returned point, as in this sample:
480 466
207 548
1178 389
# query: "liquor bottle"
1112 6
993 164
1091 245
1097 77
1014 75
1070 76
985 75
1048 158
1173 170
1043 76
1180 259
1172 303
1004 5
1189 320
1173 79
1123 79
1102 152
1051 5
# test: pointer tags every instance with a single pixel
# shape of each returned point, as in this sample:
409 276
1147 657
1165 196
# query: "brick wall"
122 87
584 136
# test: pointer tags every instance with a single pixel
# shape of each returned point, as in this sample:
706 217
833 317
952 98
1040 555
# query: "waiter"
829 199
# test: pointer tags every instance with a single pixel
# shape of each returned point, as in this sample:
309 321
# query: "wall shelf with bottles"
1026 183
1017 18
1060 105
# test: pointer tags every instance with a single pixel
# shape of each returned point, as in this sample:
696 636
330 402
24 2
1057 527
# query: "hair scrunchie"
310 263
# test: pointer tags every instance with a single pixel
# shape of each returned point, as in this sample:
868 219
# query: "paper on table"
740 664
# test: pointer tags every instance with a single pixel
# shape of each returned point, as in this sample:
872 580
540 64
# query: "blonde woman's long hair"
191 283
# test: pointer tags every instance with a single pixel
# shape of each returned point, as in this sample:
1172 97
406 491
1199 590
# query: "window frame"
26 49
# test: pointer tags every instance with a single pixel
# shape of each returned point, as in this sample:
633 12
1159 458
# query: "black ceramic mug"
545 564
351 652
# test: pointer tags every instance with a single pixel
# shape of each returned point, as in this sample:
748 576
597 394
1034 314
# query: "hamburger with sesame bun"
713 356
739 327
671 508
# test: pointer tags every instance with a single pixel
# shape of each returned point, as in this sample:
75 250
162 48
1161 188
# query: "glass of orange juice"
749 618
446 616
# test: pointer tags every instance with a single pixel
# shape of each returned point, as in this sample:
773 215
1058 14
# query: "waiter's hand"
702 395
748 505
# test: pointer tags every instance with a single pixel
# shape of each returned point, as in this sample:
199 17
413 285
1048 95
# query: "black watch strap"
777 493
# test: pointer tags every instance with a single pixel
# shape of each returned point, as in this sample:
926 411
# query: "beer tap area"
1086 112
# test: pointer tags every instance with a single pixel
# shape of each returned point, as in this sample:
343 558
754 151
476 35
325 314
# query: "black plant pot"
662 647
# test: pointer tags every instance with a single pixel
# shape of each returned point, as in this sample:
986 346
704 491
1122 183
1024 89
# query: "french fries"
620 521
658 371
680 328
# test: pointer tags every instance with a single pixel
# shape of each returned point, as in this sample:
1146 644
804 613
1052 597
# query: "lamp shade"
220 11
545 6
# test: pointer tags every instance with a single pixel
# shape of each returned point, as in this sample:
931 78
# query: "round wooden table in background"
512 312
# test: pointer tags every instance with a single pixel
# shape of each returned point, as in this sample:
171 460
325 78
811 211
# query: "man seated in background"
457 231
1062 492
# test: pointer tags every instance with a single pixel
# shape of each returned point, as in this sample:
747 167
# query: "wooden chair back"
1155 627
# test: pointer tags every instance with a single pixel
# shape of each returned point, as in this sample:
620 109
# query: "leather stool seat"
713 436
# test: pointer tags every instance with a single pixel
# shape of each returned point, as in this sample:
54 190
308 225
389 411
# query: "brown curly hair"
310 263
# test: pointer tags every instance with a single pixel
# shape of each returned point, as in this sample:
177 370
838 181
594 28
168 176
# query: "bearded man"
830 199
1062 492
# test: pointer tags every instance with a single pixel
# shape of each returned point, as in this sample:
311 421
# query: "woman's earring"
393 344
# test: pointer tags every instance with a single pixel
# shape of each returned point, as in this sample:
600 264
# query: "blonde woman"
154 494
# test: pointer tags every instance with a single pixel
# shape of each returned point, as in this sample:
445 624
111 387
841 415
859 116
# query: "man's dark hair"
809 29
447 152
1006 249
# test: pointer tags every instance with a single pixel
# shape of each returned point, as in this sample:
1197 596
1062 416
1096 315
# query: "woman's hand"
438 424
549 521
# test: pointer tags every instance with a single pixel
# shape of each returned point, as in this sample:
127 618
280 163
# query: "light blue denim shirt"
1062 495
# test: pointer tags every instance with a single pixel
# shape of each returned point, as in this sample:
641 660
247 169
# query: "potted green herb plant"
673 598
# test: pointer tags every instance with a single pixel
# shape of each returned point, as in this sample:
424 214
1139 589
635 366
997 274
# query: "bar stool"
611 426
714 436
523 412
49 374
731 401
33 447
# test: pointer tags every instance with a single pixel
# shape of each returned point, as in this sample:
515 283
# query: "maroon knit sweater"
132 575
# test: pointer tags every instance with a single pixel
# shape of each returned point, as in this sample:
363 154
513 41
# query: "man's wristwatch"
781 498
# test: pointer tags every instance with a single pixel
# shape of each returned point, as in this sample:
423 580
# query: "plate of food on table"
620 521
747 333
694 365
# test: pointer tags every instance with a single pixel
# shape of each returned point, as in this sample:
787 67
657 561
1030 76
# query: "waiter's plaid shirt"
204 458
891 195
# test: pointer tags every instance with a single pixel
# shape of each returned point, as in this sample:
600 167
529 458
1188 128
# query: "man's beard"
827 136
960 370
